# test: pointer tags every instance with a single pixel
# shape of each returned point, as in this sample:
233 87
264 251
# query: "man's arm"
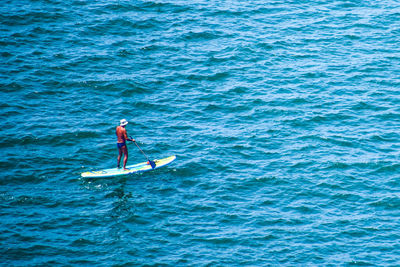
126 137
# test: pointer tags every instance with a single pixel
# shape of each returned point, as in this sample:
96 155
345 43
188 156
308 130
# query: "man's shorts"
121 145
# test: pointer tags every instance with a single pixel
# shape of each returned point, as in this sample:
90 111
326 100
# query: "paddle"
152 163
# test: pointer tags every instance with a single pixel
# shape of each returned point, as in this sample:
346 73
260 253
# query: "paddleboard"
140 167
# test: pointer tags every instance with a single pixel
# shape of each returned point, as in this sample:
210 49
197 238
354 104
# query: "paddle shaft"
152 163
141 151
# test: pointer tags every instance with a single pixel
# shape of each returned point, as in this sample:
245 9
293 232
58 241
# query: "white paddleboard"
140 167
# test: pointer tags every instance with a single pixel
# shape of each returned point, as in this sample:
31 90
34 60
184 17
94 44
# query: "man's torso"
121 134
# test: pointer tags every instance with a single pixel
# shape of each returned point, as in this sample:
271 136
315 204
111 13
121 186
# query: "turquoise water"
284 117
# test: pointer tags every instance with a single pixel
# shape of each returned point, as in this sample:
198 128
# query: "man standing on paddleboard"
122 136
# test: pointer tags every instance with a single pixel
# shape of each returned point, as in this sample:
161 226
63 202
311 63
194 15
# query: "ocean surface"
284 117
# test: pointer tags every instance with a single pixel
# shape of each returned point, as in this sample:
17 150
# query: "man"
122 136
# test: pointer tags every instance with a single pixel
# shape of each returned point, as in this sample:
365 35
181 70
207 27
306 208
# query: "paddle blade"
152 164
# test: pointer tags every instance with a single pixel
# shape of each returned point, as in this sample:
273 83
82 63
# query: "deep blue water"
284 117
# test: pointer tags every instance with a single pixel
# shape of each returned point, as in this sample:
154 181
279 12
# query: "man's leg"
119 156
125 150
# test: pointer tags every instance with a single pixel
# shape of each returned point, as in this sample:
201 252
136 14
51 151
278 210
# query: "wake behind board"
140 167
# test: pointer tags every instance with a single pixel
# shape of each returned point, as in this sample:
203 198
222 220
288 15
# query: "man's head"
123 122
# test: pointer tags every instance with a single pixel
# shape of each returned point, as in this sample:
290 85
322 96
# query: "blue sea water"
284 117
